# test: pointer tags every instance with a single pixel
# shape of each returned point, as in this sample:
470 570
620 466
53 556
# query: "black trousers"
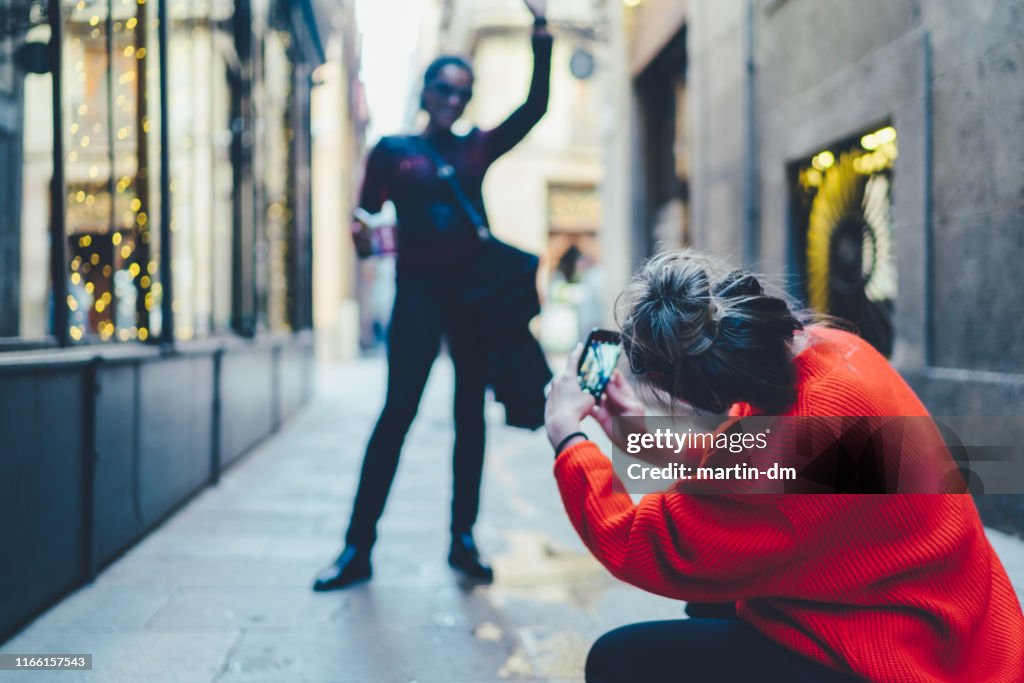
698 650
422 315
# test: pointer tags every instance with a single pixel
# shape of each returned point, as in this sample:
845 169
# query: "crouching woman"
826 587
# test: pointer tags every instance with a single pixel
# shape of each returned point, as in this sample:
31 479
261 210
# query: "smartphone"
600 356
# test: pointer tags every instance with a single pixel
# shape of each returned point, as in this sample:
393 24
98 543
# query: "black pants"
422 315
698 650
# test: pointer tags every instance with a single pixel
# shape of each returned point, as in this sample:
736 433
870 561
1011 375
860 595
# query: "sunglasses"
446 90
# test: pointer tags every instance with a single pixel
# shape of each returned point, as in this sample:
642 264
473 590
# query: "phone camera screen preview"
599 360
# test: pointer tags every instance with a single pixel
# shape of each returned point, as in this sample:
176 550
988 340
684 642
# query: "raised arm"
512 130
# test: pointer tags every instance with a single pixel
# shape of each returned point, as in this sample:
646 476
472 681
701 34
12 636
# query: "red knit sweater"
891 587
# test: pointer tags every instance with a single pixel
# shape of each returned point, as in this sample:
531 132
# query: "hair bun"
738 284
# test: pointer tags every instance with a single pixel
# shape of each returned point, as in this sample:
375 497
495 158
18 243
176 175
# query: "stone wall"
948 76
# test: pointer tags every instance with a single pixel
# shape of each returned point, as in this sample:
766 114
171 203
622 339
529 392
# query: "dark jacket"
503 298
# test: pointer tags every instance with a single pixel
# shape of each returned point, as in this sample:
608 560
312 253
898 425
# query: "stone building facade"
883 132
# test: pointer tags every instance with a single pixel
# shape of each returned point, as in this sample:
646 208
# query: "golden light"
126 251
72 303
823 160
132 22
116 239
136 204
94 259
144 281
134 269
141 53
143 332
89 287
84 241
887 134
100 305
76 333
75 278
882 136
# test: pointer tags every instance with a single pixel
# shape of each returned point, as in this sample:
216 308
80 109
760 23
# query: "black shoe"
465 557
352 566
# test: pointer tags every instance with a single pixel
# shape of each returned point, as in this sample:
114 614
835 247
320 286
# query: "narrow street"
221 591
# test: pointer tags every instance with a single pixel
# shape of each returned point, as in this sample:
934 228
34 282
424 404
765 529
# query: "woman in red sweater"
829 587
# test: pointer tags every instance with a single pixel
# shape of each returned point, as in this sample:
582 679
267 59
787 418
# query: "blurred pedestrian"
819 587
434 180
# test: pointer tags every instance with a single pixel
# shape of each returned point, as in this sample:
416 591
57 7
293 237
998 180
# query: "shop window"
110 95
275 258
26 171
842 199
201 182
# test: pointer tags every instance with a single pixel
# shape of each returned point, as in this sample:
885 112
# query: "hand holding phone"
598 361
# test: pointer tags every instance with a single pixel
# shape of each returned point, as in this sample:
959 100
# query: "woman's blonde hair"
708 335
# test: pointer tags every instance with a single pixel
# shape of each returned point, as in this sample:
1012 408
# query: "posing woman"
437 245
825 587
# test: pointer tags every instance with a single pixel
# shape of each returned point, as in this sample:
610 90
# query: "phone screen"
600 356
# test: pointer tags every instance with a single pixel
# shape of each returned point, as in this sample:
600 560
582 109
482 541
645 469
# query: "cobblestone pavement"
220 592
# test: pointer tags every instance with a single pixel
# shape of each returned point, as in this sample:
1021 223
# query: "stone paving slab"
220 592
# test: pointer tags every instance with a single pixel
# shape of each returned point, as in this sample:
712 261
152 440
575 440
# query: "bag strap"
446 172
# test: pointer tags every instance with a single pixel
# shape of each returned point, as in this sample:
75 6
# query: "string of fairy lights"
113 291
112 172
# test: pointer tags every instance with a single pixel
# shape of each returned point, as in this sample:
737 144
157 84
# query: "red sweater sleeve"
688 547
